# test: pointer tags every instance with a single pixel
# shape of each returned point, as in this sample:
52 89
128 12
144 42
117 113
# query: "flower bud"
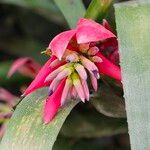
84 47
89 65
55 63
93 50
78 86
66 90
93 81
72 57
86 89
53 74
81 71
96 59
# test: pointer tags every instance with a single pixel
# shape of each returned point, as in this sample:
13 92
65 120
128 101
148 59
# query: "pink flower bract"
26 66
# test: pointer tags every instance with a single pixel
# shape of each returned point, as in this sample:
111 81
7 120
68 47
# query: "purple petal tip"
50 92
96 74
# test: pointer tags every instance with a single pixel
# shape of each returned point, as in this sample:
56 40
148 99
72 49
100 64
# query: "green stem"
98 9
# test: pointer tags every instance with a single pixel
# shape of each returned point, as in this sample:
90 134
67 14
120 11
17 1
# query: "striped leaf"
133 26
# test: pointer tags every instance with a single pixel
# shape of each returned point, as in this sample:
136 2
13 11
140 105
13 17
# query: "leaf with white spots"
26 129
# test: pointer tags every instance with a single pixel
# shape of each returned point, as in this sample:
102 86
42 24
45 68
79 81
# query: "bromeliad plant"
75 58
78 58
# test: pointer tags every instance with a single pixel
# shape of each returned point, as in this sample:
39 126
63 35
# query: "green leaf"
26 128
72 10
133 26
108 103
98 9
92 125
64 143
32 3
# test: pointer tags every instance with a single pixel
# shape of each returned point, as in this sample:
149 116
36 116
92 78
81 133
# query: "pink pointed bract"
26 66
38 82
106 25
60 43
108 68
52 103
90 31
7 97
75 55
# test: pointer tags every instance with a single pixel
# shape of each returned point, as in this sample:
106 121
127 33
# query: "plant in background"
8 101
27 67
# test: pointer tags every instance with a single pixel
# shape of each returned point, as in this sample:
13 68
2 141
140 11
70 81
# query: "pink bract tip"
108 68
93 81
52 104
40 78
60 42
81 71
90 31
66 91
26 66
